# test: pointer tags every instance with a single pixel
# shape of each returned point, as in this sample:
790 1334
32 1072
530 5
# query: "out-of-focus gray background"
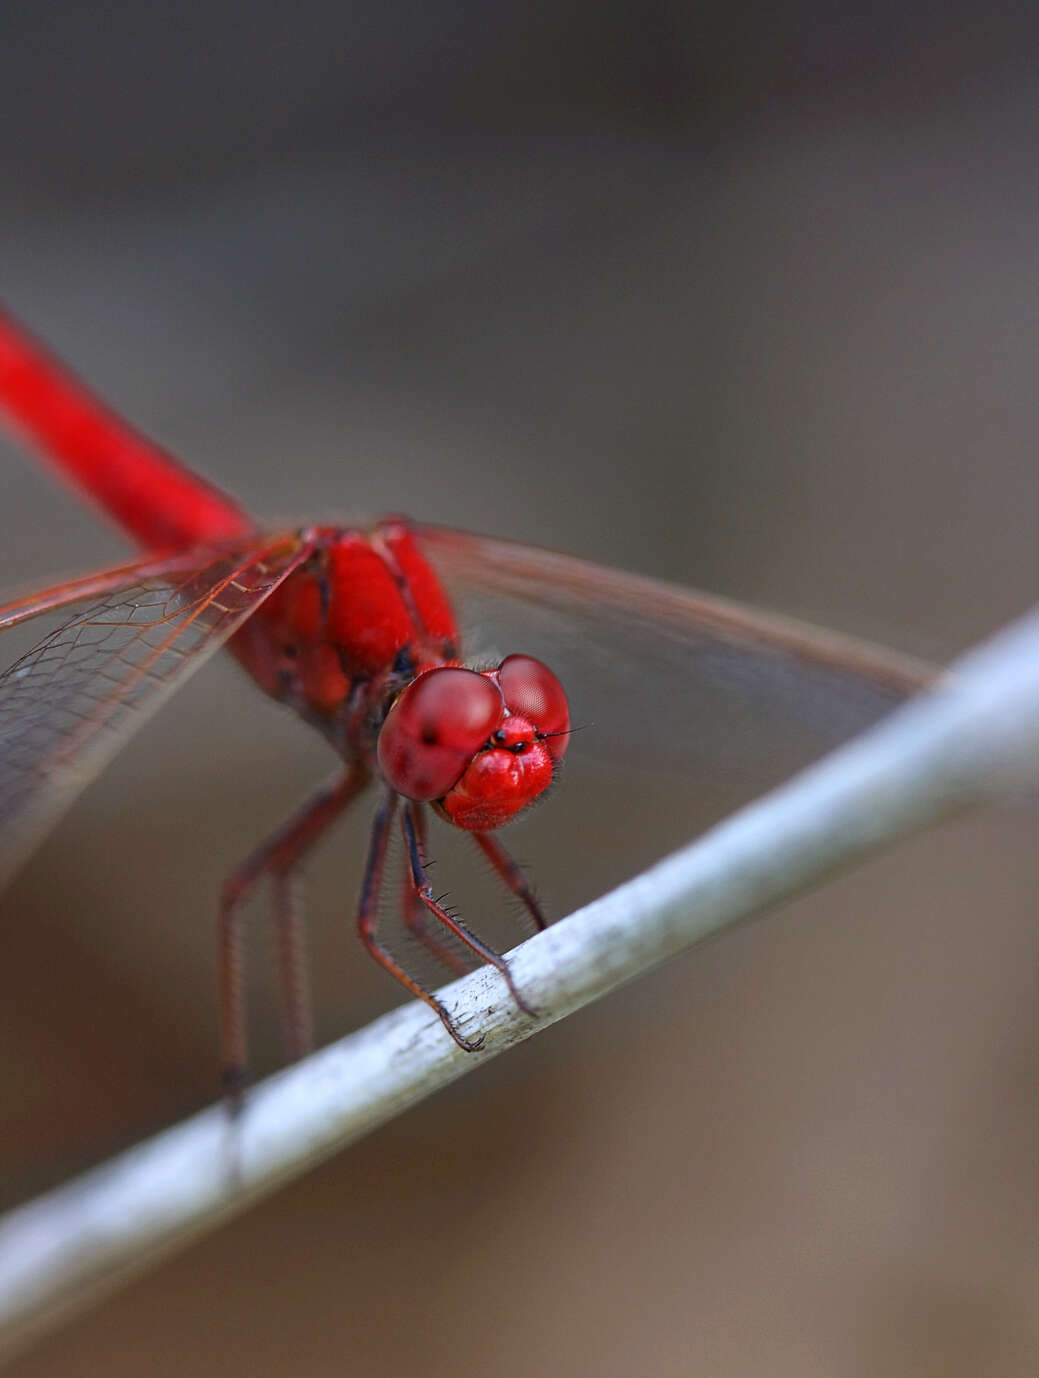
744 299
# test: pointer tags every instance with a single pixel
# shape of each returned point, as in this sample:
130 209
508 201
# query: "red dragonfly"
354 627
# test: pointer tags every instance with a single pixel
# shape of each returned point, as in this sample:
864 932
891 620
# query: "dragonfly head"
480 744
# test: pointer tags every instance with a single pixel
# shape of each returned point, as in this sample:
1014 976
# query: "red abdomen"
162 505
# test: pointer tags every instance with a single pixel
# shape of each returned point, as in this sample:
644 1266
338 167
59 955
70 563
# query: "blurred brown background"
746 299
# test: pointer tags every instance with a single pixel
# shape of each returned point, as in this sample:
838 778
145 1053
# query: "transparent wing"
135 634
688 705
97 584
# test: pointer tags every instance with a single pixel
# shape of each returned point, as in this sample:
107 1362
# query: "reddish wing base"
70 703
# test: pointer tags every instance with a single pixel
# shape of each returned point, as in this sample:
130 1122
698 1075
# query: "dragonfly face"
482 745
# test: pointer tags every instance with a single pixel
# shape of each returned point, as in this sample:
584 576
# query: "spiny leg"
278 856
367 918
424 890
511 874
416 916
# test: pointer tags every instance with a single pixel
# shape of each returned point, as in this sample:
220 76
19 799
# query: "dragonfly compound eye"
518 764
435 728
531 691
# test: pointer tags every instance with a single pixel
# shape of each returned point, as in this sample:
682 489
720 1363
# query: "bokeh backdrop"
748 299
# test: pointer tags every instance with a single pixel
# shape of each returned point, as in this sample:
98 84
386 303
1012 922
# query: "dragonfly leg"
416 916
423 889
367 917
290 940
512 876
279 857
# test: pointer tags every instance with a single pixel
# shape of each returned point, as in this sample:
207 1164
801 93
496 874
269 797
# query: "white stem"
976 736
